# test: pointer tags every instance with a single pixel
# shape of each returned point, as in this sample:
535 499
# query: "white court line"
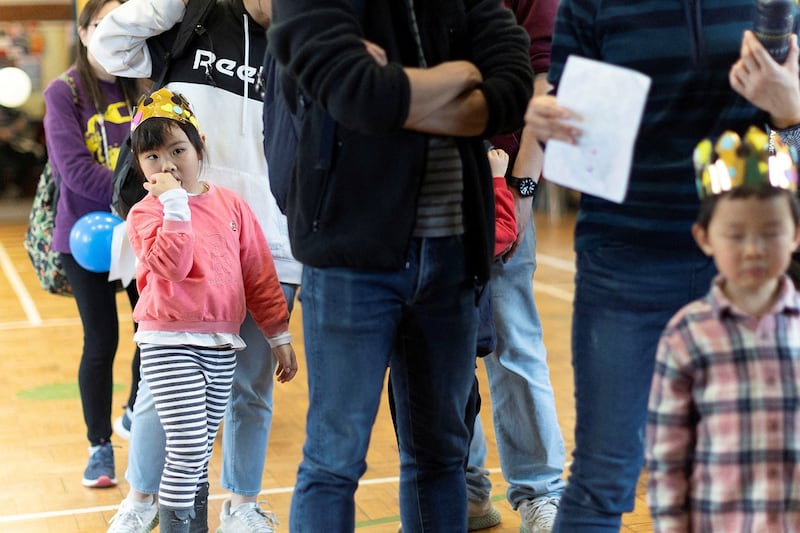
555 262
553 291
51 323
108 508
88 510
19 288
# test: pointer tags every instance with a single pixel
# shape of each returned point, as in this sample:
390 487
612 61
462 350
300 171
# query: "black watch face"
527 186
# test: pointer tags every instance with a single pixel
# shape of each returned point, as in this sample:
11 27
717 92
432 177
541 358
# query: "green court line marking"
57 391
378 521
390 519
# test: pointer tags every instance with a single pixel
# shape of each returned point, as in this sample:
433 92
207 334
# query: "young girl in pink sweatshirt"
202 262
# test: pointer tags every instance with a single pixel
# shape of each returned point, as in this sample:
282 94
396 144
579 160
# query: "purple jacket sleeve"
67 150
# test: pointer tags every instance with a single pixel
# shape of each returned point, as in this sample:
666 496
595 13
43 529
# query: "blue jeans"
529 440
245 432
479 486
624 297
421 322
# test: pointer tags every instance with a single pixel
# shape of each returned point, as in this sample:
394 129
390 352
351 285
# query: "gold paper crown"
165 104
732 162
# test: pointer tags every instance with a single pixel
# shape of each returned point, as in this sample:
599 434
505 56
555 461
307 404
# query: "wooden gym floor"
43 449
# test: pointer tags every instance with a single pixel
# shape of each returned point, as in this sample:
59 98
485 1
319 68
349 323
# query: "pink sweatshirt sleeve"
265 299
164 247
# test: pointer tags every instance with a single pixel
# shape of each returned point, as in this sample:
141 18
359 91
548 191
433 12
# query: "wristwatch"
525 186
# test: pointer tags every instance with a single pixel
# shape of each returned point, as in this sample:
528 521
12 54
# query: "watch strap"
525 186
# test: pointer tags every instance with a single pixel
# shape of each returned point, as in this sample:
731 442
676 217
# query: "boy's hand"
161 182
287 363
498 161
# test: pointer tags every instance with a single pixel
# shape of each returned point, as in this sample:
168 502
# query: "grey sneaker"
99 472
248 518
538 515
482 515
130 520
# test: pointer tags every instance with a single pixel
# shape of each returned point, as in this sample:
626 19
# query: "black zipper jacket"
358 209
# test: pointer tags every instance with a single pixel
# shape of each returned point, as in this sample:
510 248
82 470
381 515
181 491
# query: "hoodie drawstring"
245 92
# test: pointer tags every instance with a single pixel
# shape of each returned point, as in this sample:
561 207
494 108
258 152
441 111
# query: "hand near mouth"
161 182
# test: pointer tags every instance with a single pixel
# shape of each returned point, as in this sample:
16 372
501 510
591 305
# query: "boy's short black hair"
762 191
151 133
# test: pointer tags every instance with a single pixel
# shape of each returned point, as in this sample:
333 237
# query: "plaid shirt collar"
721 306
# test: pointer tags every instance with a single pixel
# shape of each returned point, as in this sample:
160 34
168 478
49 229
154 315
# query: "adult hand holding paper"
610 101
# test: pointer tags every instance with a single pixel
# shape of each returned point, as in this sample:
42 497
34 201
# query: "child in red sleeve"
202 262
505 225
505 233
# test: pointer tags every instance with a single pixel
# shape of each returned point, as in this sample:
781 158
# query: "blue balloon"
90 240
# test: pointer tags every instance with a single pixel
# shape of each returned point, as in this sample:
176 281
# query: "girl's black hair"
762 191
150 134
89 80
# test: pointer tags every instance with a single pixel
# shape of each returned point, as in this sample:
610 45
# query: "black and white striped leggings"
190 387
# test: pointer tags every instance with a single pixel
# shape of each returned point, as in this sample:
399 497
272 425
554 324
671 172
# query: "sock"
141 506
244 506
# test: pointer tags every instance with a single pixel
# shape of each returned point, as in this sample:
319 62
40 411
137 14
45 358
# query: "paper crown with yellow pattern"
731 162
165 104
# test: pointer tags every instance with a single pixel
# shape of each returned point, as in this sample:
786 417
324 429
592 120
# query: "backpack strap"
192 25
71 82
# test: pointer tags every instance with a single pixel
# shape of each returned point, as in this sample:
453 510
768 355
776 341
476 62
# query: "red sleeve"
505 225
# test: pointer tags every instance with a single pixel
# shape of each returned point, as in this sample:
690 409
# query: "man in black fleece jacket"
394 224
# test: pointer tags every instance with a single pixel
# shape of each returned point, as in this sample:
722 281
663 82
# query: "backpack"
39 235
127 180
42 222
286 107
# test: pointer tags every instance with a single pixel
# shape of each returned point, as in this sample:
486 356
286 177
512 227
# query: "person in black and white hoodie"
219 75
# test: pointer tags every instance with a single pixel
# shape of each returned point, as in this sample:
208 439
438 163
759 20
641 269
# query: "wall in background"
38 37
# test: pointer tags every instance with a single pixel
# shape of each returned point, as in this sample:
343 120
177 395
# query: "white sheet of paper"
610 99
123 260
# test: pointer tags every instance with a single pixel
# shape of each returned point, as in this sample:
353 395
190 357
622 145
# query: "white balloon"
15 87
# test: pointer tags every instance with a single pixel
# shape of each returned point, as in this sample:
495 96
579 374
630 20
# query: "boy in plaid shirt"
723 439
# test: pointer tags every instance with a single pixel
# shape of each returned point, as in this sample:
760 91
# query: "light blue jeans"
529 440
624 297
421 321
245 432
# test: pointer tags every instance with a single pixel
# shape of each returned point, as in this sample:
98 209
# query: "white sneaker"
247 518
122 424
131 519
538 515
